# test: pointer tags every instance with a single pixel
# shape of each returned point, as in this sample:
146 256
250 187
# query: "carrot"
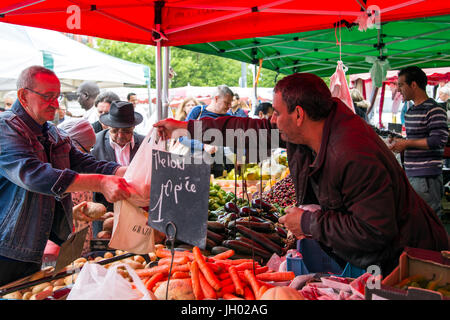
253 282
153 280
205 269
248 294
179 267
196 288
226 282
148 272
166 253
216 268
228 296
208 291
246 265
263 289
276 276
228 289
223 275
236 280
236 261
257 271
224 255
176 260
180 275
268 285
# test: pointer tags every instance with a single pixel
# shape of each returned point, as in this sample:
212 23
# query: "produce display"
249 228
281 194
59 286
197 276
419 281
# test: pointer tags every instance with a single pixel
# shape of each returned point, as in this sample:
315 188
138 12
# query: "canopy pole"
158 81
380 113
157 37
165 89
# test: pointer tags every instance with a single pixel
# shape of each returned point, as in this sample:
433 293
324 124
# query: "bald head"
87 92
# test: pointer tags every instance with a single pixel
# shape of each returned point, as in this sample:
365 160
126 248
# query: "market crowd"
52 165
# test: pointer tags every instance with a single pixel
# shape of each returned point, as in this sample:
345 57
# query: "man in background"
236 107
87 93
102 104
426 136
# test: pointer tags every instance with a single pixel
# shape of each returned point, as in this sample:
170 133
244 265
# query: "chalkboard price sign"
179 193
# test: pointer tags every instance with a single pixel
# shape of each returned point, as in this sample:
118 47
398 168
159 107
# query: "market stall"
245 253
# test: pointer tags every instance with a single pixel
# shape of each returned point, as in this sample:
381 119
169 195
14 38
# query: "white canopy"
72 61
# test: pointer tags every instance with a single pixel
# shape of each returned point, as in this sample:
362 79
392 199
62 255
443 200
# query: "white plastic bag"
98 283
139 171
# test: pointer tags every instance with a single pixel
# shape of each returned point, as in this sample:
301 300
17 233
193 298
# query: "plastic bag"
339 88
139 171
98 283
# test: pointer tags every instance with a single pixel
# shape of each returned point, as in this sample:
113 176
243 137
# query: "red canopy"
199 21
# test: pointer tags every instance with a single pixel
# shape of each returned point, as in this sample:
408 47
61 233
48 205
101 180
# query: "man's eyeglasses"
48 97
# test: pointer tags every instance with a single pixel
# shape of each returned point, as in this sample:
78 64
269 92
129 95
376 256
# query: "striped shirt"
427 120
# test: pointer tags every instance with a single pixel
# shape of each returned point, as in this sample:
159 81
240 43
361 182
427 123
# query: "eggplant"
261 239
250 241
216 226
255 212
217 238
261 204
275 238
257 226
272 216
231 207
244 211
281 231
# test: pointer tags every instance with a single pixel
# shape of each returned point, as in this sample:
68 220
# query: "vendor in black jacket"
119 143
368 210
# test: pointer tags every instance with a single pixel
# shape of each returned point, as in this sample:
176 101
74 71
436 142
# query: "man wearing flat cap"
119 143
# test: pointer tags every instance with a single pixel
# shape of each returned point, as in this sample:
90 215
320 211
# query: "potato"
152 256
108 224
135 265
108 255
27 295
139 258
119 252
95 210
57 288
159 246
97 259
13 295
104 235
70 279
80 260
58 282
40 287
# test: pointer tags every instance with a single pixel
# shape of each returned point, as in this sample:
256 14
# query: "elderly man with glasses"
39 168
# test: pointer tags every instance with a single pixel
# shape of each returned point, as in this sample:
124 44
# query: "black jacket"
369 211
103 151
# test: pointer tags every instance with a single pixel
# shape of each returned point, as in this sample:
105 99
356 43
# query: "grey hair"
222 91
28 75
107 96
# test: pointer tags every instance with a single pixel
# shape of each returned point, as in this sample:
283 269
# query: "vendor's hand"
171 128
291 221
115 188
79 212
398 145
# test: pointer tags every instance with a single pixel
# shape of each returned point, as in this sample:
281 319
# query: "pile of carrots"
213 277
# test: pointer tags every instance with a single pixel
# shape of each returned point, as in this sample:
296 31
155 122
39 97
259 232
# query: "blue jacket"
33 204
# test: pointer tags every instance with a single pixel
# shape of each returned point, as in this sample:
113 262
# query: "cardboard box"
413 261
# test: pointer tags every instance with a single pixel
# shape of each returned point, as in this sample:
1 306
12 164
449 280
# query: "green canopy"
424 42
